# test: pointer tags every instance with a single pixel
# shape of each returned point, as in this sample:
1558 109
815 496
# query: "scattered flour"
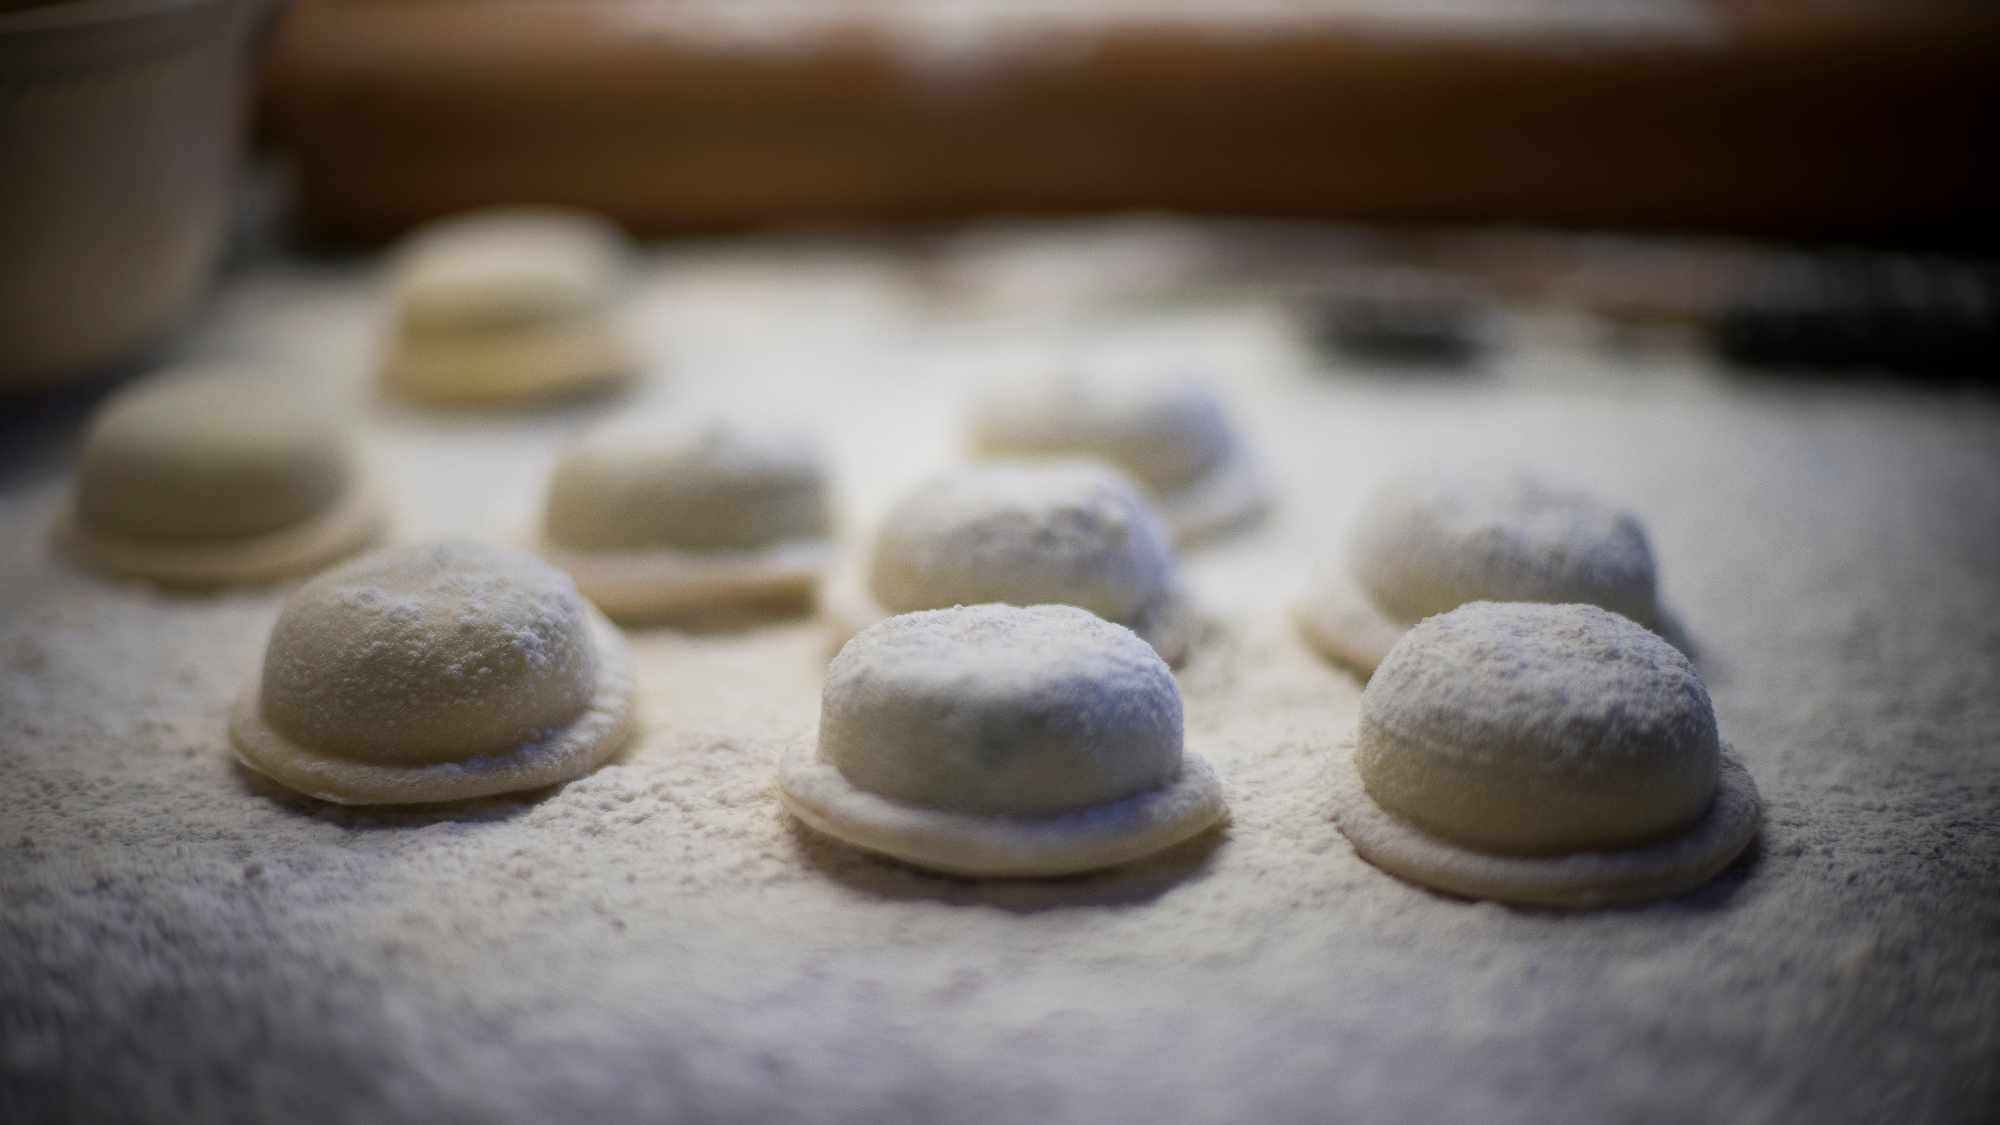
182 939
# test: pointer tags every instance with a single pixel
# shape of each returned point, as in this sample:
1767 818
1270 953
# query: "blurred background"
1810 182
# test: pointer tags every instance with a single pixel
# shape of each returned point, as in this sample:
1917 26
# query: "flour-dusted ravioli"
1556 755
435 672
506 304
1169 432
1431 542
206 476
1025 534
1000 740
654 518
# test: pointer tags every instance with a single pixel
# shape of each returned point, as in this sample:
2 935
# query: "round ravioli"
1025 534
1542 754
206 476
1000 740
435 672
1430 543
654 519
504 304
1168 431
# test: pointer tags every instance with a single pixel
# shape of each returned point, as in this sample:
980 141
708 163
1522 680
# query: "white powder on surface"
656 941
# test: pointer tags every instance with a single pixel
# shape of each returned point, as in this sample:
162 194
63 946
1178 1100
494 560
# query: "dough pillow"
435 672
206 476
1543 754
1025 534
998 740
1429 543
505 304
1168 432
654 519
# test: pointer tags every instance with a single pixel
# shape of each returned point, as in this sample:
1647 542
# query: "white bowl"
120 122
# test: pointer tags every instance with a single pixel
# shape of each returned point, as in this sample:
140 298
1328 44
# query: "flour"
657 940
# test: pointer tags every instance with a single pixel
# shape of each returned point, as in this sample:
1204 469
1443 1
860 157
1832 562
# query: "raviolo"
1169 433
505 304
1555 755
1429 543
208 476
998 740
1025 534
656 519
435 672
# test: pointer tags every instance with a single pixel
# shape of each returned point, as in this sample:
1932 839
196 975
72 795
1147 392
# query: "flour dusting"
658 941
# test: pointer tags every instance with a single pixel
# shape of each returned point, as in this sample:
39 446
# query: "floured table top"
182 939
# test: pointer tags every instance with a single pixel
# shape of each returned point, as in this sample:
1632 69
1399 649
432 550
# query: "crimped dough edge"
355 520
1167 623
1580 880
978 844
634 587
589 739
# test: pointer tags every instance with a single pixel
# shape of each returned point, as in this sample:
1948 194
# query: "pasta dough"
1025 534
1170 433
653 519
435 672
1429 543
1545 754
204 476
998 740
504 304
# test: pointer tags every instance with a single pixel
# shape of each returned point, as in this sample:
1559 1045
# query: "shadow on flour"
1142 880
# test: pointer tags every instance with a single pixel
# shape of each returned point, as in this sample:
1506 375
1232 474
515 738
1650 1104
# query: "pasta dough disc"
640 586
1000 845
582 745
1581 879
1343 624
352 522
